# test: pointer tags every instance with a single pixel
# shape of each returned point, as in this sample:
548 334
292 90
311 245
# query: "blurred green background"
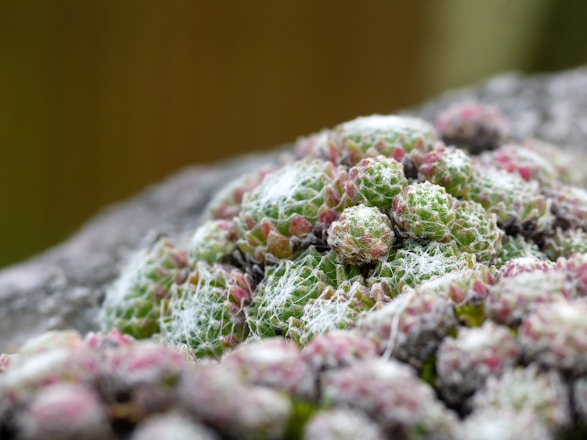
99 99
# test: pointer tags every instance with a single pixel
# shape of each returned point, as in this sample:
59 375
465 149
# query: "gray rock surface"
63 287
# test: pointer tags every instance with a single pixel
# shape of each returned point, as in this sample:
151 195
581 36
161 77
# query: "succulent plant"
519 205
391 136
516 246
465 362
411 327
415 263
280 214
207 312
424 211
274 363
563 161
214 241
512 298
450 168
220 399
338 309
565 243
528 164
391 394
473 127
375 181
361 235
134 303
518 389
569 205
555 335
279 301
341 424
475 231
65 410
337 349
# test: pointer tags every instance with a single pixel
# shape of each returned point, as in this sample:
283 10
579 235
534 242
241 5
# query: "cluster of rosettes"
109 386
376 206
389 255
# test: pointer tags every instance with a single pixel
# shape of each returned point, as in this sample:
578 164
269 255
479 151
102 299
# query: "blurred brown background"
99 99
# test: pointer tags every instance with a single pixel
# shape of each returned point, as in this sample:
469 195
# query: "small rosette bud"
555 335
172 426
475 231
135 301
519 205
424 211
390 136
375 181
273 363
450 168
414 263
512 298
207 313
337 349
361 235
279 300
220 399
341 424
65 410
465 362
530 165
